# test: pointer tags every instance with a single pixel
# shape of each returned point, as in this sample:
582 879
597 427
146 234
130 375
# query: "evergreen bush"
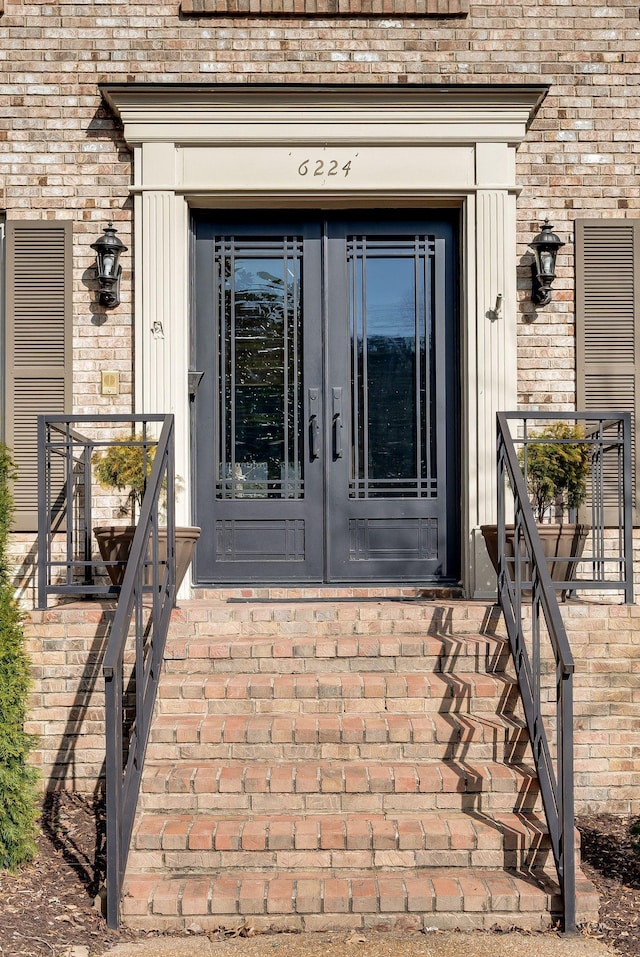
18 801
126 467
557 469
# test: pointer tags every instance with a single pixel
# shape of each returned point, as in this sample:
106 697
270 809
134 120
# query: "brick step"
322 653
283 736
422 898
335 787
322 593
294 619
198 843
368 693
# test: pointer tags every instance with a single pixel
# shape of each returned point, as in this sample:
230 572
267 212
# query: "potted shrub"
126 468
556 473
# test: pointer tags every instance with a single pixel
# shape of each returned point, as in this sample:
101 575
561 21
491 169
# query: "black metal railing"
602 525
542 657
137 636
131 681
70 501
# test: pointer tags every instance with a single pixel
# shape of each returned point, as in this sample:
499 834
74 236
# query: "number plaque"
321 167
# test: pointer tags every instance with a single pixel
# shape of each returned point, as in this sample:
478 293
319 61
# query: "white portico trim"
333 147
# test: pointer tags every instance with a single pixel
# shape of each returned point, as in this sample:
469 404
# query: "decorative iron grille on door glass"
260 369
392 320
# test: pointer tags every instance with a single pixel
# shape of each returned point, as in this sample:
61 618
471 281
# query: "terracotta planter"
559 542
114 542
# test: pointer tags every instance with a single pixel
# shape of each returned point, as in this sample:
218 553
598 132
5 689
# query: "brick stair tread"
166 831
285 727
425 891
442 651
344 686
303 594
331 776
317 604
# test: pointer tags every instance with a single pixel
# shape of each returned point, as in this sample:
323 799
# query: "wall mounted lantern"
108 269
543 268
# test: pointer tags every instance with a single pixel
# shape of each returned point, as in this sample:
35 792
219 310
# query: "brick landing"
341 762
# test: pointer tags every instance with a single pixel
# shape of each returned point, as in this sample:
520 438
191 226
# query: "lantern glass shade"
108 249
108 264
547 262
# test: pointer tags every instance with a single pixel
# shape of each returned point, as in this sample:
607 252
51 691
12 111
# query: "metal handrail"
524 577
137 637
556 783
146 599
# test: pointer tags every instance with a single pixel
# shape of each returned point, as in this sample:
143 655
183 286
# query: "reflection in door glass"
260 421
393 381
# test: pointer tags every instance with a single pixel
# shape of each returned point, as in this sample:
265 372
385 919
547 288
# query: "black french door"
326 419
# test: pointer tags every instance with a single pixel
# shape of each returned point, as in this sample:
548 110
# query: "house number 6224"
322 167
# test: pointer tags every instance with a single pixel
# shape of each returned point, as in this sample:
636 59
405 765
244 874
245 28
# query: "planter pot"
114 542
559 542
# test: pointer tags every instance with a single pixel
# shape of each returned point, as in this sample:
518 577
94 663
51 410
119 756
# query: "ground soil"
48 907
611 859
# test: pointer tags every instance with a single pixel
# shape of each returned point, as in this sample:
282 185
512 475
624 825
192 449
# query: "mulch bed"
611 859
48 907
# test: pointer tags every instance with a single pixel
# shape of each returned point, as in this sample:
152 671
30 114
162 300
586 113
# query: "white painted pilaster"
162 328
496 360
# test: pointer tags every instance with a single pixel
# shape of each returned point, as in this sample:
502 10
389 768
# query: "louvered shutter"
38 345
608 321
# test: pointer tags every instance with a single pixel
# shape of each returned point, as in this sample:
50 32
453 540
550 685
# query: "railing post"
568 877
556 782
68 484
43 515
501 530
113 774
87 513
628 509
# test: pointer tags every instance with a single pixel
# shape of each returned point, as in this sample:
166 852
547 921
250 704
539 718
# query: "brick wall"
67 704
62 156
606 645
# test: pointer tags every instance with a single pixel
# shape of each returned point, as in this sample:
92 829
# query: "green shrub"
556 472
18 803
126 467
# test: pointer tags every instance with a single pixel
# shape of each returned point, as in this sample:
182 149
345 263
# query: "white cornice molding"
249 114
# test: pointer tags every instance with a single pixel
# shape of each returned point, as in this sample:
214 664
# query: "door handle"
337 422
314 425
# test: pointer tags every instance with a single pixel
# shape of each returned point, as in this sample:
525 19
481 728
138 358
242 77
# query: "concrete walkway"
437 944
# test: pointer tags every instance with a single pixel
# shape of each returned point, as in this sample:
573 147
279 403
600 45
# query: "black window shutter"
38 345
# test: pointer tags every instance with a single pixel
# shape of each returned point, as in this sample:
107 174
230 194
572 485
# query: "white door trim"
253 146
